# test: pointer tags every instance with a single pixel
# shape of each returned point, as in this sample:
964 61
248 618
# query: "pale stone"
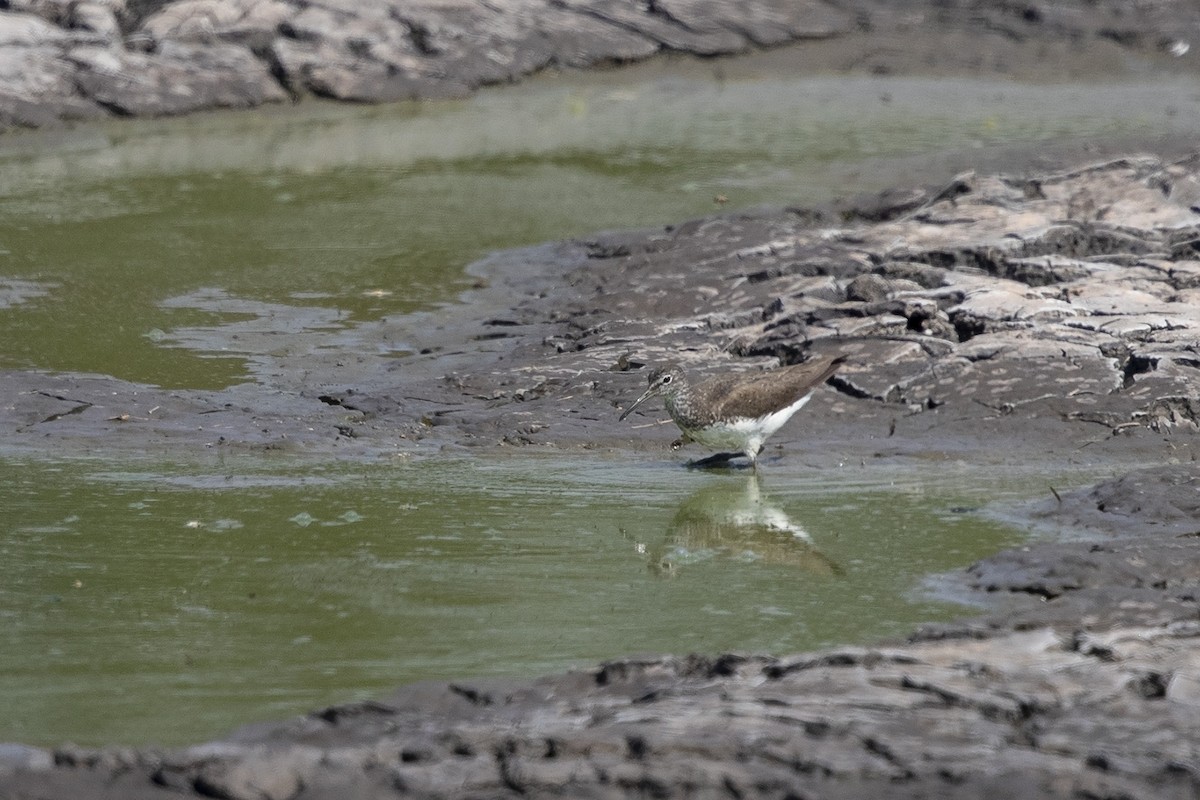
199 19
29 30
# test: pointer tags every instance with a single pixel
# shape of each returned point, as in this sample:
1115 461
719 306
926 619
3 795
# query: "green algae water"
157 603
163 605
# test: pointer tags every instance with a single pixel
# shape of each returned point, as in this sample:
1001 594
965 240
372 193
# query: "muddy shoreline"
1046 311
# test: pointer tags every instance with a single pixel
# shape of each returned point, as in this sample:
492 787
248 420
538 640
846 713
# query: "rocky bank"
86 59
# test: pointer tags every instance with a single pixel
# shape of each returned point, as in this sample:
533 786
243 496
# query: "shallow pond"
144 602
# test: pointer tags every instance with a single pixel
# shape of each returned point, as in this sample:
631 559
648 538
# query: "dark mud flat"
992 319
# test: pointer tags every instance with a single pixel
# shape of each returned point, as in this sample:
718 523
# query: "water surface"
167 604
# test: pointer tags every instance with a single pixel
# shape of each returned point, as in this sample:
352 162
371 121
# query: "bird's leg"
754 458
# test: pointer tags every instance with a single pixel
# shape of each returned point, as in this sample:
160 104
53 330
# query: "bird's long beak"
646 395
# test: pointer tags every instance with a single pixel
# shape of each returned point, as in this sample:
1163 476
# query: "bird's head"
664 380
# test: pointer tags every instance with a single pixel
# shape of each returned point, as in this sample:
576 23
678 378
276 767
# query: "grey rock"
29 30
1164 500
764 23
19 756
868 288
166 82
217 20
376 51
37 88
97 18
658 24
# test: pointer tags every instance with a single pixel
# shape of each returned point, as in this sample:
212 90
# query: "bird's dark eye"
666 379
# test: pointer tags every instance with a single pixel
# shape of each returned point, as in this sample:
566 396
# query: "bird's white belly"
726 437
746 435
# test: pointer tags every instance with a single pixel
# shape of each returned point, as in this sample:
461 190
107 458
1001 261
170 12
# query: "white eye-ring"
666 379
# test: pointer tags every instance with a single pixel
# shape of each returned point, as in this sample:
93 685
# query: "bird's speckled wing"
734 395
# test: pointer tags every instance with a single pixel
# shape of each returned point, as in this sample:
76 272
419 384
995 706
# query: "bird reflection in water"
736 520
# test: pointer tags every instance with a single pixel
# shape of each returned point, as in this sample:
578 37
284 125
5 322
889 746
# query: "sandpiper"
736 414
